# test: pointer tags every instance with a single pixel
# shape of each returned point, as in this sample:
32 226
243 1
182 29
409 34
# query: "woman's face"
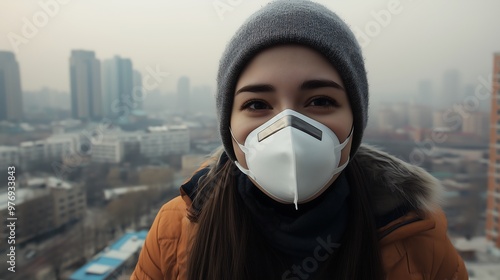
290 77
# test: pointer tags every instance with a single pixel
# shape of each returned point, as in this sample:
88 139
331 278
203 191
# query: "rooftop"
478 244
31 143
166 128
32 190
21 196
479 271
8 149
51 182
111 258
112 193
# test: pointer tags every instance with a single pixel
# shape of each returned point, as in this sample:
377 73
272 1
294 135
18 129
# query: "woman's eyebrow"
314 84
307 85
256 88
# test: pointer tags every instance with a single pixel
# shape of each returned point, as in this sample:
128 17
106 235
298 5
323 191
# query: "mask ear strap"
242 147
340 168
341 146
245 150
244 170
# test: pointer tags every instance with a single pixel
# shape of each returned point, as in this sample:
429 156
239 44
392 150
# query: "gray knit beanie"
294 22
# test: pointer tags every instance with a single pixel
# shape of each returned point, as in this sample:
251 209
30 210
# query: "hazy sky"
422 39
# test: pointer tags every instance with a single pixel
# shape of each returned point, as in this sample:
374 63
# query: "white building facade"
164 141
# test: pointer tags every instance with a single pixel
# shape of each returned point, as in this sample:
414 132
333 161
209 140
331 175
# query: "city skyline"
187 38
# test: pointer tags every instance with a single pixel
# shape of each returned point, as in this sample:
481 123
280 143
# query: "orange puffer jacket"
412 247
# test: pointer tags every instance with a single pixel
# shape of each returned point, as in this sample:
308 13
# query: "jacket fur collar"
397 183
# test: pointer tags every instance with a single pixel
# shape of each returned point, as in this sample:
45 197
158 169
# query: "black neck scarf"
298 233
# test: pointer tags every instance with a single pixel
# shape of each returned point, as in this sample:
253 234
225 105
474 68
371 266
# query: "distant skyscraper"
424 93
11 100
493 206
117 84
183 95
451 91
85 75
137 90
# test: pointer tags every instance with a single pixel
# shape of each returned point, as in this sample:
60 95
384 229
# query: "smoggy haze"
422 39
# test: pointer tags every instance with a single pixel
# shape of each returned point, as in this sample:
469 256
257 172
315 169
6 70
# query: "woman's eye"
323 102
255 105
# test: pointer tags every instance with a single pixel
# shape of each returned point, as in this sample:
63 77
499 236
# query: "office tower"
138 93
451 91
493 204
117 85
183 95
424 93
11 100
85 75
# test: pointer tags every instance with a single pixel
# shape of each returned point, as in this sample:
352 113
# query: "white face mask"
292 157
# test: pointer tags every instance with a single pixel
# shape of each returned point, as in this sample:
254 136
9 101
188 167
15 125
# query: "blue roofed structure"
111 262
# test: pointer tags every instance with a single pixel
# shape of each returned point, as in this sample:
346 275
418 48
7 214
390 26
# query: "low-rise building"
31 152
70 202
34 212
59 146
43 205
164 141
108 151
9 156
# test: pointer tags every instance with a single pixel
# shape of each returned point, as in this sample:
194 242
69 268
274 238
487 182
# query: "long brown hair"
227 246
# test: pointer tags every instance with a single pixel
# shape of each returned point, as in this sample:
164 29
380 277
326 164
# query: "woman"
292 194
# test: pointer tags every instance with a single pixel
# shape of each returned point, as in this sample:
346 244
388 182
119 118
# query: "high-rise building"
451 91
183 95
11 100
493 204
137 92
424 93
85 75
117 85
